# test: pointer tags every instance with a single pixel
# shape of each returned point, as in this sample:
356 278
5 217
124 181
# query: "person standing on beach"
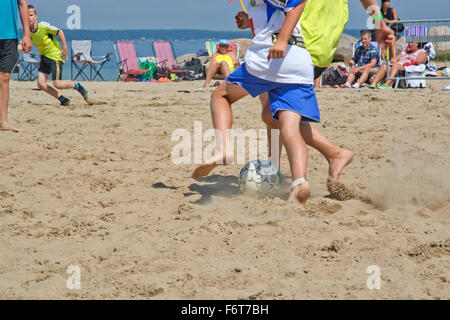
43 37
9 56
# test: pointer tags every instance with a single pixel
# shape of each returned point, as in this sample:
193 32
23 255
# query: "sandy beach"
95 187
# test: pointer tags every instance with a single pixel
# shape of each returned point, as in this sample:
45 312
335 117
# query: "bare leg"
221 100
42 84
351 76
224 69
297 154
211 69
317 83
380 75
394 70
63 84
337 157
271 123
4 101
364 76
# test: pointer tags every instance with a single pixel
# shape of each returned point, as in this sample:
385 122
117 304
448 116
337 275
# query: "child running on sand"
337 157
43 37
278 63
323 23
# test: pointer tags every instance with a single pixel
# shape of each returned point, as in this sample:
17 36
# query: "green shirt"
44 38
323 22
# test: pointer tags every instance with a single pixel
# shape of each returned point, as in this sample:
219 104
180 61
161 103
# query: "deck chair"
84 62
165 58
416 31
127 60
28 66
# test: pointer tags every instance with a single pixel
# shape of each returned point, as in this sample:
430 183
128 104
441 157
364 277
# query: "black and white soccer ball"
259 177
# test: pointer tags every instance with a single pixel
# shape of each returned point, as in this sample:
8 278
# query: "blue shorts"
299 98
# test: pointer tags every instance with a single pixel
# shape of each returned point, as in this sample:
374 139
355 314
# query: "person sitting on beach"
222 63
43 37
411 55
364 62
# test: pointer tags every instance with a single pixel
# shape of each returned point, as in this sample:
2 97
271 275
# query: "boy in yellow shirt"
43 37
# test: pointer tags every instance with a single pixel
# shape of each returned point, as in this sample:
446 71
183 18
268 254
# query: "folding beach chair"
127 60
165 58
82 59
28 67
416 31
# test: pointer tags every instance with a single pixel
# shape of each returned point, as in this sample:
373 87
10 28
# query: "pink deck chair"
127 59
165 57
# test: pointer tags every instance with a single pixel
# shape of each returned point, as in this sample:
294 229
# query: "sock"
77 86
61 98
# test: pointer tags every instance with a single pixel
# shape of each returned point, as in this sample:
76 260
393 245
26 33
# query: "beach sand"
95 187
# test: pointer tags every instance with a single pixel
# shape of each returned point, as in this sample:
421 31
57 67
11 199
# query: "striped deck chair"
416 31
127 60
416 34
165 58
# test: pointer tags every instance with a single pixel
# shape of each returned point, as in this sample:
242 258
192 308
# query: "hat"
223 42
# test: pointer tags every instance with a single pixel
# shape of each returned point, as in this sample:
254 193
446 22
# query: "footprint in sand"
92 102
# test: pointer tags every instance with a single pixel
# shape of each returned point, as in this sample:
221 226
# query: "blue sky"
198 14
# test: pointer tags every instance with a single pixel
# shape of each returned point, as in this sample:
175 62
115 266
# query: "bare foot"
7 127
337 164
205 168
300 193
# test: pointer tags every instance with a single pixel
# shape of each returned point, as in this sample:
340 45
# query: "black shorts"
51 67
9 55
318 72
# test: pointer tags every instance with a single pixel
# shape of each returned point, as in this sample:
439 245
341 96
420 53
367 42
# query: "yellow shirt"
323 22
228 59
44 38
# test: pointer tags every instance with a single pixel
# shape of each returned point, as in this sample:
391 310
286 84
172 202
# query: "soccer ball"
259 177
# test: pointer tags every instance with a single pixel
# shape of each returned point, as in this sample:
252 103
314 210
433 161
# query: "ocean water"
183 41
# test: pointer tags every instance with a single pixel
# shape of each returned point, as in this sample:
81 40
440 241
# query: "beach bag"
397 27
415 71
147 65
195 69
334 76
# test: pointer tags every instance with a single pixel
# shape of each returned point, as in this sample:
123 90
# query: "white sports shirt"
268 18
